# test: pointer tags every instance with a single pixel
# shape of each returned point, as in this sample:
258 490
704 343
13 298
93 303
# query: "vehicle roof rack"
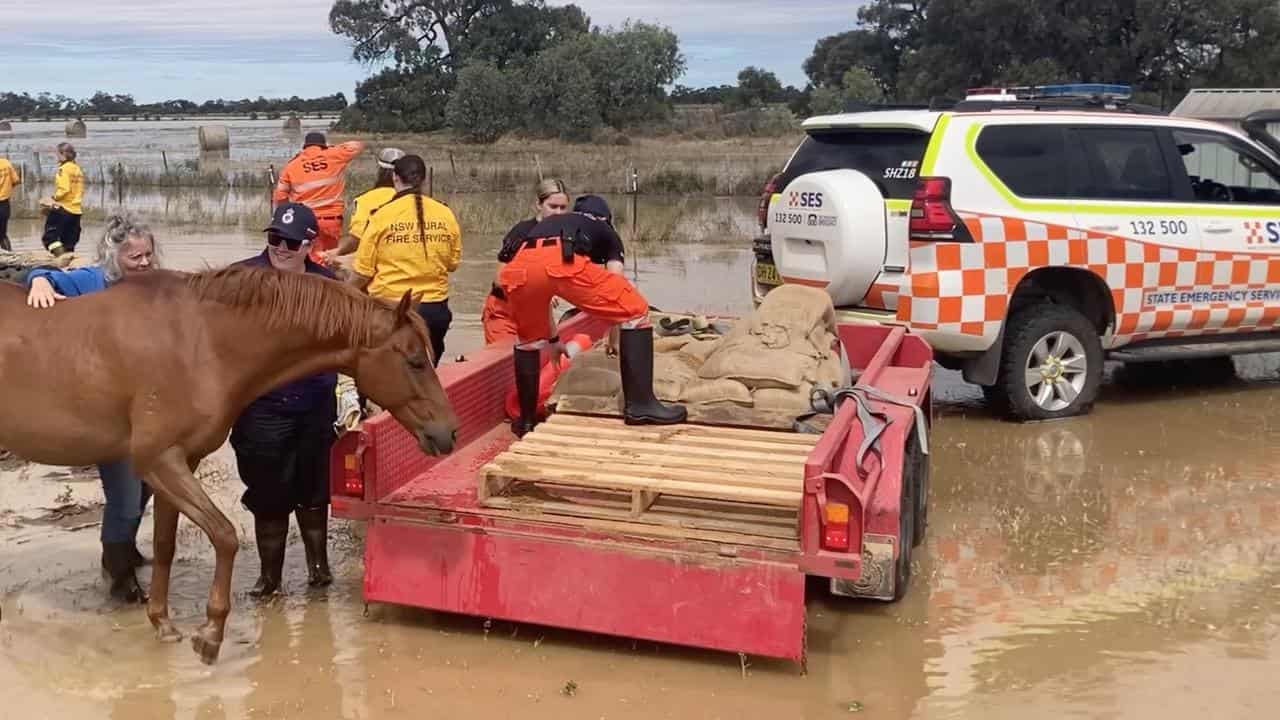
1050 103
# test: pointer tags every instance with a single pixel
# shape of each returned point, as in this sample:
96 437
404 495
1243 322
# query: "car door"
1237 191
1143 234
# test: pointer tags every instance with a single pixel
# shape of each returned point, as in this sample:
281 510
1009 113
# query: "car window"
1030 159
1223 170
1125 164
891 158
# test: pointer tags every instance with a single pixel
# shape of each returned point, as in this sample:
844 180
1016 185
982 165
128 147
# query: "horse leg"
174 480
166 537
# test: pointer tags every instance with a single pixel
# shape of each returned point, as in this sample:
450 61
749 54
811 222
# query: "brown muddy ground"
1122 565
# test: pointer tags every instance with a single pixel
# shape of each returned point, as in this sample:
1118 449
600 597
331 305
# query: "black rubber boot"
636 358
313 525
528 370
117 563
272 533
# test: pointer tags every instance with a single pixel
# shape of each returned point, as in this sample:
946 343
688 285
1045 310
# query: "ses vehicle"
1029 234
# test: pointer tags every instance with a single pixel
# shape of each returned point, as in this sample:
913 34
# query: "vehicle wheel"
916 469
906 531
1051 366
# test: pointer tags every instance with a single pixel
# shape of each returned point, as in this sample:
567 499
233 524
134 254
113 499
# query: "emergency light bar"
1107 91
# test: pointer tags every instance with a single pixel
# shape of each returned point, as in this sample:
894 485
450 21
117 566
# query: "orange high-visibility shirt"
316 177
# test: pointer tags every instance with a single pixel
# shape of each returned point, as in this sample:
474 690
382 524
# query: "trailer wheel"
906 528
916 469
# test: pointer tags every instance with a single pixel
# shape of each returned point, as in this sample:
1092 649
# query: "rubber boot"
528 371
136 558
313 525
636 359
117 563
272 533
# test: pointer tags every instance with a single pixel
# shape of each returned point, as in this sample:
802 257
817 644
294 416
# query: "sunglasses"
274 240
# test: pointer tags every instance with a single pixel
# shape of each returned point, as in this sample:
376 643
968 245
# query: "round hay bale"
75 128
6 126
214 138
293 123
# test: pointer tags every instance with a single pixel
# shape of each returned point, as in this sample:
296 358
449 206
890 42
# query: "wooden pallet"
701 477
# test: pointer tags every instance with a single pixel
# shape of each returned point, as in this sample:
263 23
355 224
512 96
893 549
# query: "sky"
206 49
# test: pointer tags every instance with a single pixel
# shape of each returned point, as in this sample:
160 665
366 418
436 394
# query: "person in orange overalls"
578 257
316 177
496 318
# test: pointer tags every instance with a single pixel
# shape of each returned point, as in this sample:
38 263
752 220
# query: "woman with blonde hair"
498 322
127 248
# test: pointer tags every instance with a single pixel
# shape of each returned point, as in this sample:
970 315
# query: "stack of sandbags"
771 360
14 266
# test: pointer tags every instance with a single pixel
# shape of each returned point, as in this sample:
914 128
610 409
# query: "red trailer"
696 534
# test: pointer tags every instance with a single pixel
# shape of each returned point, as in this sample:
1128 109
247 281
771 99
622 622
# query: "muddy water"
1122 565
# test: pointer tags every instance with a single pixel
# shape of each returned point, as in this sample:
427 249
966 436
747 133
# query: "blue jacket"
317 393
71 283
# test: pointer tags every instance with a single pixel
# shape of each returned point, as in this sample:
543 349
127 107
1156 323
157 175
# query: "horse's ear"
405 307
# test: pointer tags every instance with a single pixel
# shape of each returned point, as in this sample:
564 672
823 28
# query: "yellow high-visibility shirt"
398 254
68 187
365 204
8 178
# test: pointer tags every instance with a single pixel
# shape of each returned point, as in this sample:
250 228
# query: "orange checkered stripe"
882 296
1148 538
965 287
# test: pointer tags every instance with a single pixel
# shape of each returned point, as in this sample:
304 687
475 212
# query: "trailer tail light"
352 479
932 217
766 195
835 531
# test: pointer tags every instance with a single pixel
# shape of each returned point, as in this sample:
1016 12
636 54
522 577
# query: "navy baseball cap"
314 138
294 221
593 205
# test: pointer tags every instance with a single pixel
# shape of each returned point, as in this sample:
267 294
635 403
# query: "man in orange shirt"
316 177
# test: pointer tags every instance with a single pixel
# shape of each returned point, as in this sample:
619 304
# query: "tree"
410 32
559 92
631 69
512 36
757 87
480 109
400 100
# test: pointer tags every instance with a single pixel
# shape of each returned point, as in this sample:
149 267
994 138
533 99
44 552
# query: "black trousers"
438 318
61 228
283 459
4 225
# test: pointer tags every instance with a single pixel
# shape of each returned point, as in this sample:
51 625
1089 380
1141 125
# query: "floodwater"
150 144
1120 565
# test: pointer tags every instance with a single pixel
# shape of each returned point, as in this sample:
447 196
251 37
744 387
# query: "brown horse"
158 367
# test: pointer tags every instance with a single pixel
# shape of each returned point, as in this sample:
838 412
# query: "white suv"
1027 240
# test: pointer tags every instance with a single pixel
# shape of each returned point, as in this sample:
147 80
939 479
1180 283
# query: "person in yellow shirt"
62 225
9 177
365 203
411 243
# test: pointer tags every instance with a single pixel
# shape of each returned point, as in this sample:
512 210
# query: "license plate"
767 274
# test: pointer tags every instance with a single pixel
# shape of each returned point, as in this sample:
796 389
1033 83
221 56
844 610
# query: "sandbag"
596 357
696 353
796 306
671 344
746 359
583 380
670 375
783 399
708 392
830 370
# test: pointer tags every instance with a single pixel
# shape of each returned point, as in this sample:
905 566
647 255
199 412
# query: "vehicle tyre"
916 469
906 534
1051 366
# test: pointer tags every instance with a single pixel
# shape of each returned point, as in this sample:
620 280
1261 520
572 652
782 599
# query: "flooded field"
1121 565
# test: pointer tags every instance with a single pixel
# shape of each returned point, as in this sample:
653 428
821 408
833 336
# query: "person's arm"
283 187
455 251
46 285
347 151
61 186
365 265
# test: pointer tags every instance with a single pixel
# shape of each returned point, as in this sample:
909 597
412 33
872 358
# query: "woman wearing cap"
412 243
62 225
366 204
126 249
587 272
282 439
498 322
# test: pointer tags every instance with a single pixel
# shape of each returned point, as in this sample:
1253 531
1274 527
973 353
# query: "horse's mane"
294 300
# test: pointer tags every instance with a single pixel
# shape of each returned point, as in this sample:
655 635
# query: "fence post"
36 154
165 159
635 222
431 181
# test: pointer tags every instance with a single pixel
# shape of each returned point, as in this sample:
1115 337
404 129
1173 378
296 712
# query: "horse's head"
398 375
